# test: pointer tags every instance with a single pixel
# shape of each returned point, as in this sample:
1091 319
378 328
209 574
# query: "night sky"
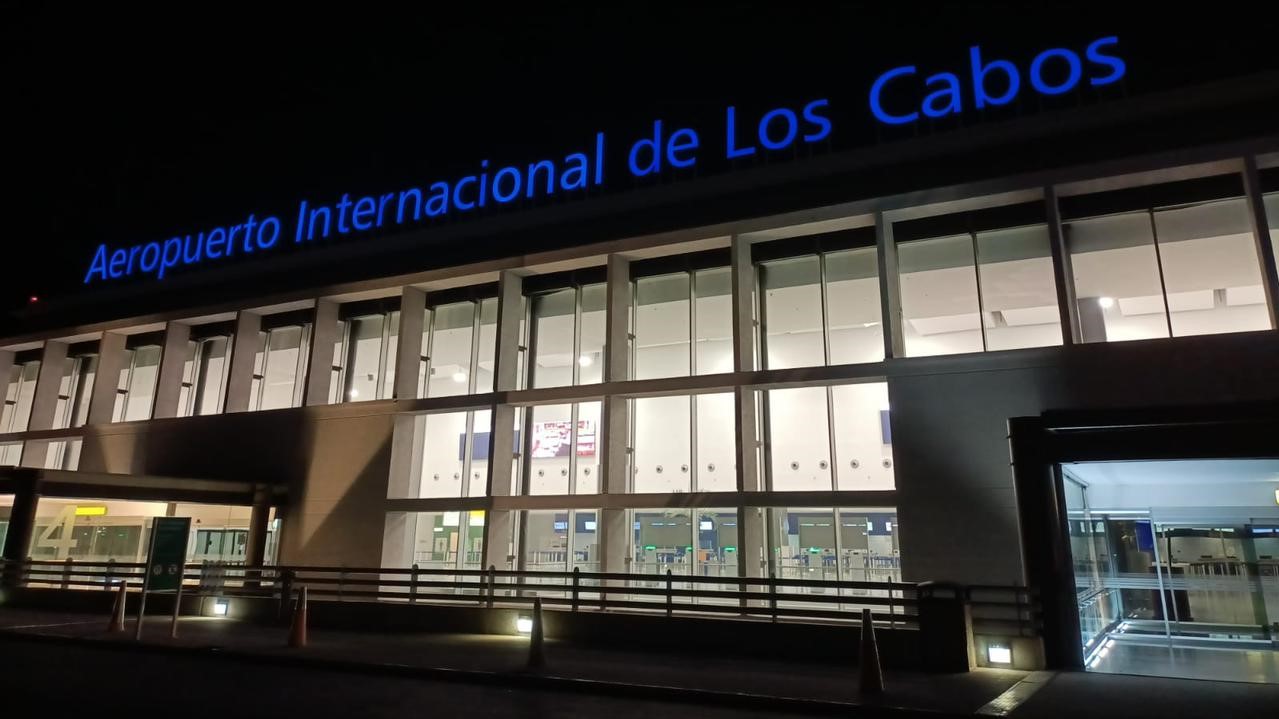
125 126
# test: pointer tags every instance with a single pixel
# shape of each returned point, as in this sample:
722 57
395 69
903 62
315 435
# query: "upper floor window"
682 316
819 300
20 391
279 368
977 281
1164 261
364 354
204 372
75 388
566 333
135 390
459 343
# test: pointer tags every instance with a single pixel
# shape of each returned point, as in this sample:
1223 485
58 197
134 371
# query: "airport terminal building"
1023 331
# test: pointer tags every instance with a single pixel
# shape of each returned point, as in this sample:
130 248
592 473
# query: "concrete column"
510 295
615 534
398 539
259 525
324 334
22 523
1090 320
111 357
890 291
752 541
1261 234
44 403
408 353
499 546
613 414
173 358
746 438
6 365
499 550
244 352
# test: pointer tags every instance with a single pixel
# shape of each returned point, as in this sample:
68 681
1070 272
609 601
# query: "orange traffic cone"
117 611
536 655
872 677
297 632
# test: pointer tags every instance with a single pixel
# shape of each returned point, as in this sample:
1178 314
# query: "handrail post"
491 578
285 610
772 594
66 573
670 598
413 585
106 581
577 577
25 577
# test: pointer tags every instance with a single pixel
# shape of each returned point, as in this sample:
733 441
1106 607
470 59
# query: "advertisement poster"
554 439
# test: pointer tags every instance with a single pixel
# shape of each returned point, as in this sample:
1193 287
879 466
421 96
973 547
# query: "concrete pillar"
1063 271
6 365
111 358
614 418
244 351
398 539
408 353
22 522
324 335
890 292
173 358
1261 234
746 438
44 403
499 549
615 537
499 524
259 526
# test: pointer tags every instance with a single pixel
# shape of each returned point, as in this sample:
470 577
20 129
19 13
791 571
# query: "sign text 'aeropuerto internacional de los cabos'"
1055 71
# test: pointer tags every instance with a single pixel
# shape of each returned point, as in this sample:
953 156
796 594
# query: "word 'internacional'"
899 96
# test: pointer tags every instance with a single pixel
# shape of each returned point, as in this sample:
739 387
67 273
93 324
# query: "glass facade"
364 358
135 391
279 369
458 348
204 375
567 337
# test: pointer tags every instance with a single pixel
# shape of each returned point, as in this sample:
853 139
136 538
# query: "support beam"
614 418
510 312
244 352
408 352
614 541
173 359
325 334
499 545
499 549
1261 235
111 359
259 526
890 291
1063 272
746 437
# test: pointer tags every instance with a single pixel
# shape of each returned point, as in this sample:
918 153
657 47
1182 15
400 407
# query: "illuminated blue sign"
896 97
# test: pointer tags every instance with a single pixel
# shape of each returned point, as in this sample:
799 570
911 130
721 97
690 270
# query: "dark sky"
125 126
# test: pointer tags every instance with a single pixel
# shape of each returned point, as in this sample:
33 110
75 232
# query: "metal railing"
998 609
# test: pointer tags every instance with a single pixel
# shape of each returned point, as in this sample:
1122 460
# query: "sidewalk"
695 676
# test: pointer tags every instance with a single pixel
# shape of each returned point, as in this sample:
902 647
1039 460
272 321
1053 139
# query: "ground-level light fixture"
220 607
999 654
524 624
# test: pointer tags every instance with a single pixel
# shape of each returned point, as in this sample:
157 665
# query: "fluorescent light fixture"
459 376
1106 302
585 360
999 654
220 606
354 393
524 624
101 511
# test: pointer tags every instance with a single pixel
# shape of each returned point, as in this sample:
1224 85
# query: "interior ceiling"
1186 471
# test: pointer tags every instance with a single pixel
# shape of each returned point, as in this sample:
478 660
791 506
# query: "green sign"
168 555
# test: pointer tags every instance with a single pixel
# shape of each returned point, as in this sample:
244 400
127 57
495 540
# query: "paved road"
68 679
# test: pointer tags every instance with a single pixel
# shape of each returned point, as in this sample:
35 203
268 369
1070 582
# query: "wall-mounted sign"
554 439
901 95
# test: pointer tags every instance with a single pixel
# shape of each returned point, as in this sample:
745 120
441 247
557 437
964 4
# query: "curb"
506 679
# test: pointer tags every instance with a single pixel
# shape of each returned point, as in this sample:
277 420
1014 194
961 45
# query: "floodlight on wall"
999 654
220 607
1106 302
524 624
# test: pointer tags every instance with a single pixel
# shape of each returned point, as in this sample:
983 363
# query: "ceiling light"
1106 302
354 393
459 376
585 360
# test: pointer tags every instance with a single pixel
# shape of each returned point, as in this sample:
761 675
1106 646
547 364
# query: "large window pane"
443 436
364 358
590 360
553 468
863 441
282 369
211 366
553 323
717 543
1211 274
449 540
714 306
1018 292
486 353
662 539
792 308
452 326
19 394
1116 275
662 326
662 461
804 545
852 299
141 385
716 467
940 310
798 439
